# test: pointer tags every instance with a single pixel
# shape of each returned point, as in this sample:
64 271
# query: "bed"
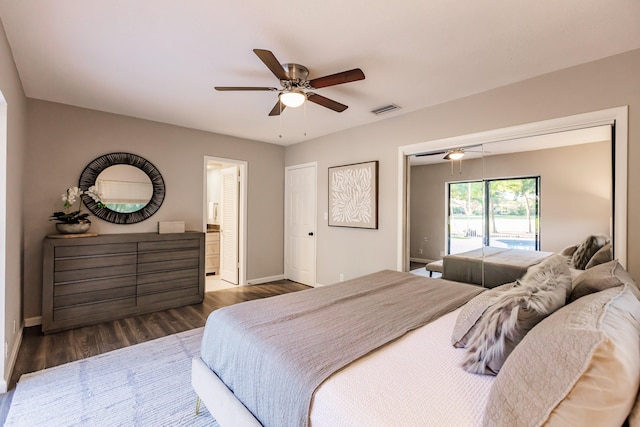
411 376
489 266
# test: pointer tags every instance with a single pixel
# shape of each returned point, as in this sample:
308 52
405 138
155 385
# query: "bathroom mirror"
132 188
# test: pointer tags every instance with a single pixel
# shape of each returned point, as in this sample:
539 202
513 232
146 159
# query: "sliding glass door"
513 214
466 216
502 213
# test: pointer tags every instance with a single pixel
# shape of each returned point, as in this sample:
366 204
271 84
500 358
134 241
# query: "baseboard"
33 321
262 280
12 360
422 260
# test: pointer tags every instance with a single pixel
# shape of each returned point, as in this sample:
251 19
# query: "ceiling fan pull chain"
304 119
280 120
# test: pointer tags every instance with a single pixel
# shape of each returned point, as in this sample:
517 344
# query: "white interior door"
229 225
300 224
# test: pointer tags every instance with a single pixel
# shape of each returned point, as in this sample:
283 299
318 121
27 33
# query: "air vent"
385 109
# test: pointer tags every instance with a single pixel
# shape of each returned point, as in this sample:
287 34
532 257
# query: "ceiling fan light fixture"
292 98
456 154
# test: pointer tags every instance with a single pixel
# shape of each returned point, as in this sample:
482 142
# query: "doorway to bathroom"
225 222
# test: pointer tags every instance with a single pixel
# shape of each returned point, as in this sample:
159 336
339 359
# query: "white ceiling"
160 59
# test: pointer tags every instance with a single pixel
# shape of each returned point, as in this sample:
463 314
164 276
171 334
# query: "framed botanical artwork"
353 195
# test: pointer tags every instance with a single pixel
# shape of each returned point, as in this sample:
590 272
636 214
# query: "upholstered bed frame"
218 398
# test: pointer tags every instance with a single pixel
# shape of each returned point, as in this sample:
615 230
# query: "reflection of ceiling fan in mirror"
452 154
295 86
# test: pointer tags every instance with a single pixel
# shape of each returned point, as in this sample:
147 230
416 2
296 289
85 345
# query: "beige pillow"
471 313
543 290
604 254
634 416
601 277
578 367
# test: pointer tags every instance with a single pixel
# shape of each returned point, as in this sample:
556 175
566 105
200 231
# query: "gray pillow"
579 367
586 250
569 250
541 291
554 266
471 313
601 277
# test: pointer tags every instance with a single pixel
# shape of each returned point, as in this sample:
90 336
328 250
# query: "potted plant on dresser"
75 222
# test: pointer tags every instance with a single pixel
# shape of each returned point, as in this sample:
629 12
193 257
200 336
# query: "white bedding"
414 381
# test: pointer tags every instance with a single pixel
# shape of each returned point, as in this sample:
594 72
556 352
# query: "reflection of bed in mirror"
575 198
490 266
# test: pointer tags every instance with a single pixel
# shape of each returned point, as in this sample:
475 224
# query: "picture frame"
353 195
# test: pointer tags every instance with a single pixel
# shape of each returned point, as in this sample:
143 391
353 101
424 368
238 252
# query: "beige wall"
11 89
63 139
575 196
611 82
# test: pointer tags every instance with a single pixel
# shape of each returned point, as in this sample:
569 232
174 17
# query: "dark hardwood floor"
414 265
40 351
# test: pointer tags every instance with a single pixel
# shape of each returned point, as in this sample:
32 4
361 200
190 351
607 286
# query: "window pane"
513 213
466 209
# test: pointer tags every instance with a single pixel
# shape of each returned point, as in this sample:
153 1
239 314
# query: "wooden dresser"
90 280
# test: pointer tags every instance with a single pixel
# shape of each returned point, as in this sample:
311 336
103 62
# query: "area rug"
147 384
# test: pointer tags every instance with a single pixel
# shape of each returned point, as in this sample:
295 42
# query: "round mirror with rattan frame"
93 169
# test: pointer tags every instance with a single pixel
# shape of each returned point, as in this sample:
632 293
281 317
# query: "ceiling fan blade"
277 109
337 79
272 63
229 88
431 153
326 102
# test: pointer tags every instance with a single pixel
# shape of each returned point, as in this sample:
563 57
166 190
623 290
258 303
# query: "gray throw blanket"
274 353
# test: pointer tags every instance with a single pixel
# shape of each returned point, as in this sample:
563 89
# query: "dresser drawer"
70 288
94 273
79 263
89 310
87 250
168 255
167 285
165 276
180 264
168 245
160 297
93 296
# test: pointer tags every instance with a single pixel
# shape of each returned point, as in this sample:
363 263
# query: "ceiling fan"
295 86
453 154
